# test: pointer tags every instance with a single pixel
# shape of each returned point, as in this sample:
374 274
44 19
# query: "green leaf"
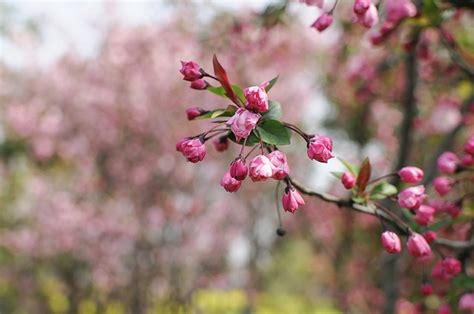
251 140
382 190
274 111
337 174
352 168
239 92
464 282
228 112
271 83
440 224
219 91
274 133
358 200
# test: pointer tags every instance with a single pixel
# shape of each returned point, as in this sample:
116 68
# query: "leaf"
219 91
337 174
228 112
274 111
274 133
221 75
364 175
358 199
271 83
382 190
352 168
464 282
440 224
251 140
239 92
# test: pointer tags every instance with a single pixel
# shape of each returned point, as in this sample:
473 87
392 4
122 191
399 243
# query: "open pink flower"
291 200
243 122
260 168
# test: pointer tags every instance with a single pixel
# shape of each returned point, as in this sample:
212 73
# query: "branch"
456 57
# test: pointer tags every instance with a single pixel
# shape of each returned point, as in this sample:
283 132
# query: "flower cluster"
253 120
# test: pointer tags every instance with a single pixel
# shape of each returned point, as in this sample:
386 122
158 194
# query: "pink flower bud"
452 209
317 3
469 146
348 180
194 112
370 17
280 164
257 98
411 175
221 144
291 200
322 22
444 309
320 148
417 245
193 149
448 163
467 160
229 184
391 242
442 185
426 289
260 168
396 10
243 122
190 70
412 197
199 84
238 170
424 215
430 236
466 302
361 6
180 143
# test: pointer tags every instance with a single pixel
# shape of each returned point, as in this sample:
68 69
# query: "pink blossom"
199 84
322 22
442 185
257 98
348 180
466 302
370 17
424 215
412 197
280 164
190 70
243 122
426 289
417 245
238 170
291 200
361 6
448 163
469 146
467 160
430 236
230 184
320 148
444 309
260 168
411 175
193 149
396 10
317 3
194 112
391 242
221 143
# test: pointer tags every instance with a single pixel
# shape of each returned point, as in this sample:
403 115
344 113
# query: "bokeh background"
100 214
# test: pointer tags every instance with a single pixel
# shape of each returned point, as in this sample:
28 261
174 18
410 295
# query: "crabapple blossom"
426 289
260 168
291 200
238 169
466 302
412 197
280 164
230 184
370 17
442 185
193 149
411 175
243 122
417 246
391 242
396 10
320 148
348 180
191 70
430 236
323 22
361 6
193 113
257 98
469 146
424 215
448 163
199 84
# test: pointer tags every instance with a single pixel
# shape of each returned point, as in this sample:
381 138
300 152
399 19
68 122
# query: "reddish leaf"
220 73
364 175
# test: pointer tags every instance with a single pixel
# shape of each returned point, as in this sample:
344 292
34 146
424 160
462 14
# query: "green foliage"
274 111
273 132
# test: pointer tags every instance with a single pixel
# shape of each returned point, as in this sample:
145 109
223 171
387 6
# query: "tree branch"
456 57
